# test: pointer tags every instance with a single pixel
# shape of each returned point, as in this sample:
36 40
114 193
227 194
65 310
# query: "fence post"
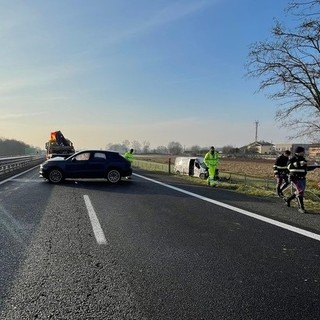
169 168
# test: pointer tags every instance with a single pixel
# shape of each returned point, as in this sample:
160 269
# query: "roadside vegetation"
11 147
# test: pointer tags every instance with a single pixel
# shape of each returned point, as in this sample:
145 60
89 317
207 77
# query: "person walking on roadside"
297 171
211 160
280 169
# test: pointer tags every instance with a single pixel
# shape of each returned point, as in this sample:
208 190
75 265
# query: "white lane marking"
27 180
96 227
305 233
17 175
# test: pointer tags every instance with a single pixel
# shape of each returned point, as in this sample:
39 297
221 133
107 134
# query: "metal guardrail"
10 166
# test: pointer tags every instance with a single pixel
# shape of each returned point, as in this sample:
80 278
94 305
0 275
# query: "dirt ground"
257 167
260 168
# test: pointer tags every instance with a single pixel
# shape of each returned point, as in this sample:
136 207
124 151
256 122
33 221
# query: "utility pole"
257 124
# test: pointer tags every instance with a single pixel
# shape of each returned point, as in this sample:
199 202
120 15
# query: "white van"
191 166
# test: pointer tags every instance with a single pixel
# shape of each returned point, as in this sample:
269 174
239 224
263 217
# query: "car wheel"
202 176
113 176
55 176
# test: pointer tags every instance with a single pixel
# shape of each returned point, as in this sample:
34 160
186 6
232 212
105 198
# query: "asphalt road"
154 247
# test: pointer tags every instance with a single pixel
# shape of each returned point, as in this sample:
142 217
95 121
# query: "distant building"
280 148
314 151
267 148
260 147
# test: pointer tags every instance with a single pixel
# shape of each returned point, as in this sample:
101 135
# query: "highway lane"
61 273
21 210
167 255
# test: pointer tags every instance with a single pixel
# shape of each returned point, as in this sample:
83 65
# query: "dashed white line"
305 233
96 227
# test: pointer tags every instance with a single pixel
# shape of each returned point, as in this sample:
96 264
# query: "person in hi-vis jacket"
211 160
129 156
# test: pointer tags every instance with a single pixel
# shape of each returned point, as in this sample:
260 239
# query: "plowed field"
257 167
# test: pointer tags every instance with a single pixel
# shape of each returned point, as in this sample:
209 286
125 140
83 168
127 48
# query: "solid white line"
96 227
17 175
305 233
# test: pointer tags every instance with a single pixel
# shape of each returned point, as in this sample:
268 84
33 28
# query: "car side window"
99 156
113 156
82 156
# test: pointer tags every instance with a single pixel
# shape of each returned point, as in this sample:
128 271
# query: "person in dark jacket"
280 169
297 171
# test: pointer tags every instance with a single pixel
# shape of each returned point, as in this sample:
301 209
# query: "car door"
78 166
197 168
97 165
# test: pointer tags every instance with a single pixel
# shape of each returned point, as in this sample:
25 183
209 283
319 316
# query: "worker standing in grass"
280 169
211 160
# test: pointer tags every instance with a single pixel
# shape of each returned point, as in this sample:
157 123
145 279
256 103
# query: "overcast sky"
105 71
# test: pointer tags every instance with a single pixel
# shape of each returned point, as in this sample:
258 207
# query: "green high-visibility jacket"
129 156
211 160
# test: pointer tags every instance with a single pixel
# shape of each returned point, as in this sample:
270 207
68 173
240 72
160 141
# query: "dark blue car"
87 164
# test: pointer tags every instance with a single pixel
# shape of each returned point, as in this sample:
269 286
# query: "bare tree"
175 148
227 149
289 66
161 150
146 146
117 147
136 145
108 145
195 150
126 143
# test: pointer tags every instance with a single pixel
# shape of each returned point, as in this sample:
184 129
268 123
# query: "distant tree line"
176 148
173 148
10 147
